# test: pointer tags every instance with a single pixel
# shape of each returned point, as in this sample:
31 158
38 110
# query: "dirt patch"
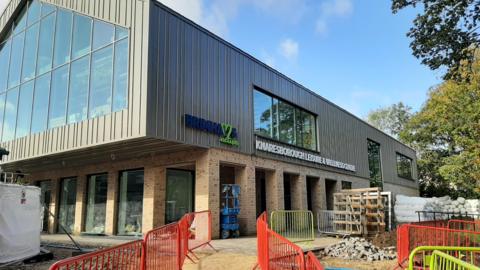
221 261
386 239
358 265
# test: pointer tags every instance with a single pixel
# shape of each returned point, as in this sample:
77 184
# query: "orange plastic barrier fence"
163 249
277 253
469 225
411 236
311 262
123 257
199 230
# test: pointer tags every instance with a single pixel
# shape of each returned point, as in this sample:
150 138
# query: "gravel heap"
356 248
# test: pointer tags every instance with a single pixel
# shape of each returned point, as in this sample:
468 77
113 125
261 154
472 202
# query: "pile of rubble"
356 248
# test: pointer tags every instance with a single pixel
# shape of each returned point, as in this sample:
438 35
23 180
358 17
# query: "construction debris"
356 248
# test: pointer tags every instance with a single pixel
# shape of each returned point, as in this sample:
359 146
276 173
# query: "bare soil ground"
358 265
58 253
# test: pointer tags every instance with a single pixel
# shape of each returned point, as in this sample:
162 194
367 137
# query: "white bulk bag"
20 222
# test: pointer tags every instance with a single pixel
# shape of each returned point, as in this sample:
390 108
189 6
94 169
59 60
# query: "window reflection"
58 97
24 109
40 104
64 60
282 121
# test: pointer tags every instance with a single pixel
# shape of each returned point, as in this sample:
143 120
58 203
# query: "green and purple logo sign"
226 132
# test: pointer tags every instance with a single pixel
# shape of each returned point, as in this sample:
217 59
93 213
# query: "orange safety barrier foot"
255 266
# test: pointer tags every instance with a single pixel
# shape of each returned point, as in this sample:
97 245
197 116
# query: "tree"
446 135
391 119
445 33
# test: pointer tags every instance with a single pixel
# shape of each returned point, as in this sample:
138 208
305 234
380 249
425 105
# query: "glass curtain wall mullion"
2 112
113 71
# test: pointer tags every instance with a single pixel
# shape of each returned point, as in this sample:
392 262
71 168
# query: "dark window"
284 122
404 166
346 185
374 164
96 203
45 195
180 194
130 204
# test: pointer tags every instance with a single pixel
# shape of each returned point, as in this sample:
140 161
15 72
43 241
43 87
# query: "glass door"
96 204
180 194
130 204
66 210
45 197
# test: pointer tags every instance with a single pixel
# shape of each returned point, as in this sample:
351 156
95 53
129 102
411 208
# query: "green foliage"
446 134
392 119
445 33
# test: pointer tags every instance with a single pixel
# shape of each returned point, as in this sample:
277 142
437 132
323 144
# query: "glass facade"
59 67
284 122
130 203
66 208
96 203
374 164
404 166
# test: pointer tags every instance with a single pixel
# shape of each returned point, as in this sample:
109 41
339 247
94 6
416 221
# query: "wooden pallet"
359 211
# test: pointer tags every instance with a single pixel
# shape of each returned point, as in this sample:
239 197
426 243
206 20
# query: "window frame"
379 160
400 155
275 126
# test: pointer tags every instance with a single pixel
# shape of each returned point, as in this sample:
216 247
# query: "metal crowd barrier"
295 225
163 248
128 256
325 222
469 225
276 252
443 261
454 257
410 237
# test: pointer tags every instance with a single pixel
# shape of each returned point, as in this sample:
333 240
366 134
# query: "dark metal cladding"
192 71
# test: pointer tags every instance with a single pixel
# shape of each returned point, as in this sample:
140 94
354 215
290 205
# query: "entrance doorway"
330 189
66 208
261 192
287 191
180 194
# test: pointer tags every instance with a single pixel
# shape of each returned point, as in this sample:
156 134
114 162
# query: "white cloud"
331 9
289 49
217 15
339 8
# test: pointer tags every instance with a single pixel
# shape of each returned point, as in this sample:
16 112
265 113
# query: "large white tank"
20 222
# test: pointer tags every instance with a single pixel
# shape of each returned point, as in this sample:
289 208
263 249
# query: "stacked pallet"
359 211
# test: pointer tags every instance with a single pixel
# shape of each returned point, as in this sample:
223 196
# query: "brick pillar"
154 192
245 177
112 203
318 195
207 190
80 205
54 201
274 190
298 185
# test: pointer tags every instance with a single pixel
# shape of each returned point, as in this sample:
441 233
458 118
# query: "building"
128 115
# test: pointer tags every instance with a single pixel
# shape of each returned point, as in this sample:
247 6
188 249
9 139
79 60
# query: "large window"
66 208
180 194
404 166
59 67
374 164
96 203
130 203
284 122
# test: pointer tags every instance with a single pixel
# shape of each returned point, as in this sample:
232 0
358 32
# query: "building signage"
265 146
226 132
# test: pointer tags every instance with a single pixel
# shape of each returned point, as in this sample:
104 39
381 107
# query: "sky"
354 53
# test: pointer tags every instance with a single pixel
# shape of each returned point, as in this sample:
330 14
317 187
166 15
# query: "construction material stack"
359 211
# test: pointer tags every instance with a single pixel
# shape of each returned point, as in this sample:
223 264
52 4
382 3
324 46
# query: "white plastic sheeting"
20 222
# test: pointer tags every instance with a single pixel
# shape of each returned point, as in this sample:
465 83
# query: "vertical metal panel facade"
129 123
191 71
